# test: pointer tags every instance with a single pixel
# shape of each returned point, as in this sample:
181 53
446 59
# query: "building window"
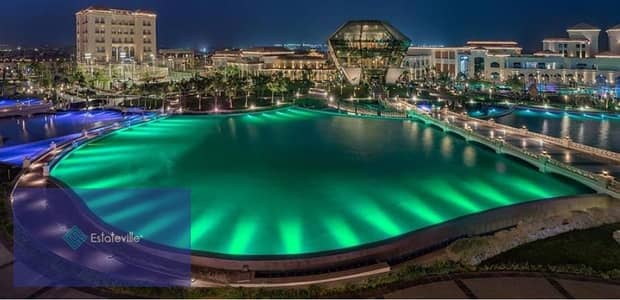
495 65
479 65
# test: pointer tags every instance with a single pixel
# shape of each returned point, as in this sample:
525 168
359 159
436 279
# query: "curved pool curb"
390 251
395 250
413 244
32 180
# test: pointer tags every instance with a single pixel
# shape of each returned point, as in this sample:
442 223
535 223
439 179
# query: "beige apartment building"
105 35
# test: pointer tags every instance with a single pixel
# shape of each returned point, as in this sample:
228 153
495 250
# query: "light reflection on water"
588 129
302 182
16 131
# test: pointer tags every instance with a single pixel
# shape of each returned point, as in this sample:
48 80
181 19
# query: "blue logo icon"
75 238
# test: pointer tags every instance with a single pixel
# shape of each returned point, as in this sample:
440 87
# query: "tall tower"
614 39
586 31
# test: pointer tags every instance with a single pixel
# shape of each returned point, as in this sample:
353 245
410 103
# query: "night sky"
241 23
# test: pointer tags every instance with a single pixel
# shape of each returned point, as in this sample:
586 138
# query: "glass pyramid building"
365 50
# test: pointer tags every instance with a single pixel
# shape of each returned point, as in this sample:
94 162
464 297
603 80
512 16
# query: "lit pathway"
58 212
591 166
585 157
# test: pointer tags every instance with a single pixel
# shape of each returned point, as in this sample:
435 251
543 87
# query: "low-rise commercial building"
177 59
295 65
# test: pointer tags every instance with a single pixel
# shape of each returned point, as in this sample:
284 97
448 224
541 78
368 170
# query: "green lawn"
594 248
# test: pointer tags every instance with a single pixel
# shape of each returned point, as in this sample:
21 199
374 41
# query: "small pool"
594 129
29 137
5 103
16 131
293 182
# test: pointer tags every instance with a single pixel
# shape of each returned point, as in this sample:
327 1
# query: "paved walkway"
511 286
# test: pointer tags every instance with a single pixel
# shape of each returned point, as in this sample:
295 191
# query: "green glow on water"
296 182
242 235
445 191
341 232
371 213
486 191
420 210
291 234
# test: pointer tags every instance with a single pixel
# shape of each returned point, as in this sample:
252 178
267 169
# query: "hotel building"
374 51
570 61
465 61
106 35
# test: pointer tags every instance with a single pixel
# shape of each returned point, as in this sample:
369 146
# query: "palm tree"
260 84
173 88
516 84
232 83
283 86
215 86
248 86
273 88
185 87
230 93
162 93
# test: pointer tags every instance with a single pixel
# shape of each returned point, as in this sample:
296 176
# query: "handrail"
367 112
557 141
604 182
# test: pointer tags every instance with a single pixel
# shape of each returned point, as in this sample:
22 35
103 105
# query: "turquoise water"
299 182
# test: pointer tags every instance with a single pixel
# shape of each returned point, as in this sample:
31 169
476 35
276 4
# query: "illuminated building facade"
574 61
294 65
106 35
367 51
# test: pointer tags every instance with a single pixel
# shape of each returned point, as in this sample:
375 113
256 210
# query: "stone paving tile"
5 256
66 293
512 288
443 290
586 289
6 285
